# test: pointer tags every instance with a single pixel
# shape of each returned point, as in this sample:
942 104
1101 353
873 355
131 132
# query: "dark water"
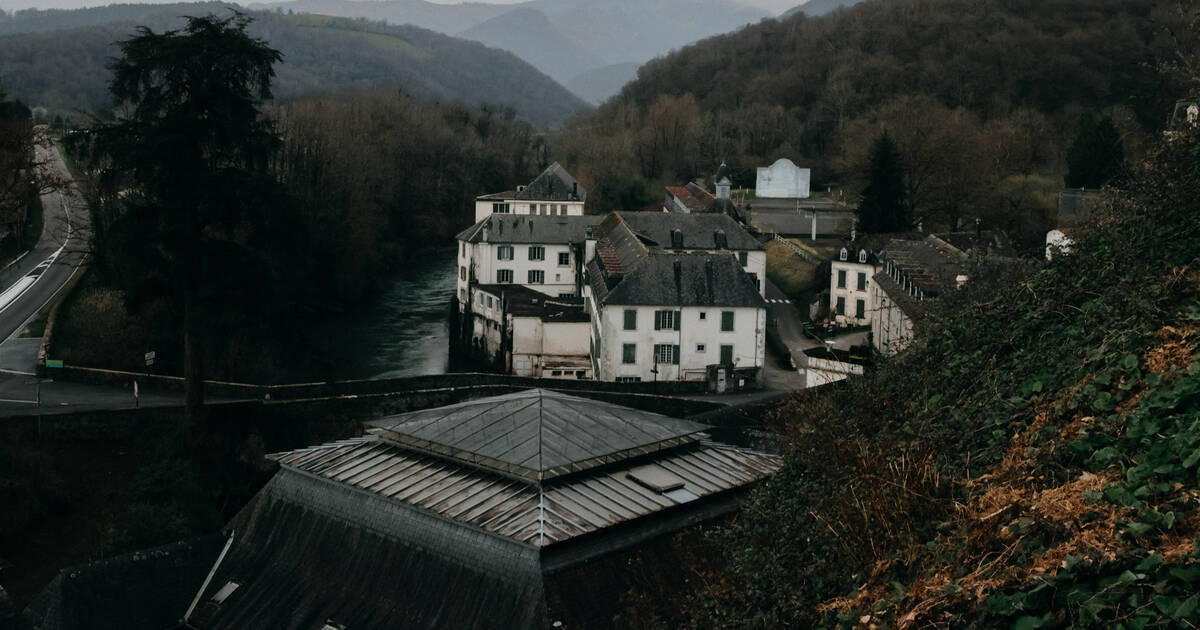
405 332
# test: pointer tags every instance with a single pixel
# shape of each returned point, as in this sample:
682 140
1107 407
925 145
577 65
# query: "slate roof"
500 196
931 264
148 589
379 530
521 301
697 229
693 197
991 243
520 229
554 184
537 435
627 271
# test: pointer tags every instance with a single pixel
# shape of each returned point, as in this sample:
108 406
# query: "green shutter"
677 318
657 320
675 355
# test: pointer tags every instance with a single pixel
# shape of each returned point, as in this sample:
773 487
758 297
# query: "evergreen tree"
1096 155
884 205
186 175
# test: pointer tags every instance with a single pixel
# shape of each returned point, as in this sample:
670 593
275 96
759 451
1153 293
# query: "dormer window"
677 238
862 256
844 254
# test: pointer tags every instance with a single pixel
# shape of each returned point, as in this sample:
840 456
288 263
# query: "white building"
1059 241
850 285
669 314
546 254
783 180
553 193
530 333
689 233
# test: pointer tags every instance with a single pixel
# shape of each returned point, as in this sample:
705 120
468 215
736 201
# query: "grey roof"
529 229
521 301
151 588
670 279
697 229
993 243
554 184
537 434
931 264
11 617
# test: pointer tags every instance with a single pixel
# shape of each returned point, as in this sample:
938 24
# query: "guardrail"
800 251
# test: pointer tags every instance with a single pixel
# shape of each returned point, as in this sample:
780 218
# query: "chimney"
487 227
575 189
678 276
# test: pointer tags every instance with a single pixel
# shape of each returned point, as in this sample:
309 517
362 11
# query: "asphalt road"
32 281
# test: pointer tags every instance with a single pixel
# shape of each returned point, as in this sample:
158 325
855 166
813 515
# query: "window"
843 255
726 354
629 379
666 354
564 259
537 276
841 306
841 278
860 309
462 295
630 319
504 276
862 281
666 320
703 315
489 298
501 208
555 372
462 249
699 347
629 353
462 273
537 252
504 252
726 321
743 258
566 295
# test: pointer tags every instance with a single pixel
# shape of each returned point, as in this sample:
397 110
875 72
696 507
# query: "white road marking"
13 400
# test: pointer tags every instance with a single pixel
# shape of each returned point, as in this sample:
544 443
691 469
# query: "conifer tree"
884 205
1096 155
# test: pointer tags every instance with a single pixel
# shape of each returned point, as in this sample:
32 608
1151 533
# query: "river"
405 332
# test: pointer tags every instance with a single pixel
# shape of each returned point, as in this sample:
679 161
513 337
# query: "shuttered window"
666 354
666 320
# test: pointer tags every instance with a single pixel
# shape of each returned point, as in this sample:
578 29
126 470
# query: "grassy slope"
1031 462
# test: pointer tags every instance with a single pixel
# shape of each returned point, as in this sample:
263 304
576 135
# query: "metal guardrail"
800 251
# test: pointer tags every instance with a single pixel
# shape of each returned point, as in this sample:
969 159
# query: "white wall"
482 257
851 293
748 339
783 179
818 371
483 208
891 329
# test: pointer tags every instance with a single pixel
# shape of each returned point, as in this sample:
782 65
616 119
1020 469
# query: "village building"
529 333
666 312
717 233
553 193
542 253
515 511
783 180
692 198
826 364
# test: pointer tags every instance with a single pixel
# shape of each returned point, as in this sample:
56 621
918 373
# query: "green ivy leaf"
1029 622
1187 608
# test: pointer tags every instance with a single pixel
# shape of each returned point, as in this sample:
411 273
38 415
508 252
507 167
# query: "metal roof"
535 435
532 514
518 229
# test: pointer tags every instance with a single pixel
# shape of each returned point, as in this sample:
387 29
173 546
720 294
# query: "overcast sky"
775 6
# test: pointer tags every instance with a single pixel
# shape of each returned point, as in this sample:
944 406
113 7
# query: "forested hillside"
1032 461
983 97
64 71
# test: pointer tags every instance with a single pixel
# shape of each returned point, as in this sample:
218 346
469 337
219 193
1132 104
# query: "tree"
884 205
1096 155
185 167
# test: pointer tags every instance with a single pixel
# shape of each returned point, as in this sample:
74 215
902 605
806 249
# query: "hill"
443 18
64 71
1000 85
818 7
528 34
599 85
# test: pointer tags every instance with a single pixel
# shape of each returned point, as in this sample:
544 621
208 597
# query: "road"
28 284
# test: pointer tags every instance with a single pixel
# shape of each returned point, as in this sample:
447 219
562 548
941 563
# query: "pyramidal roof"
537 435
554 184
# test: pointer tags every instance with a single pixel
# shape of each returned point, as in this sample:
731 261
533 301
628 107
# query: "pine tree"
884 205
1096 155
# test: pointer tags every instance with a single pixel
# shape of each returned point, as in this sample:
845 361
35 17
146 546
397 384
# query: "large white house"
546 254
553 193
670 314
689 233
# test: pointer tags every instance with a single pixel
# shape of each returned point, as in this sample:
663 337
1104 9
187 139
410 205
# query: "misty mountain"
64 71
528 34
443 18
814 8
601 84
40 21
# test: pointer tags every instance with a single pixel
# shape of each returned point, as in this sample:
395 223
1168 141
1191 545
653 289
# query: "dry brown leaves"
1175 349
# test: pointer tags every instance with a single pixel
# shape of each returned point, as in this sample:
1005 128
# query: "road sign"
54 363
149 358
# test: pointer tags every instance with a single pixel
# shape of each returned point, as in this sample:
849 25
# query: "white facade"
700 341
783 180
891 328
511 263
490 204
550 349
850 289
820 371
